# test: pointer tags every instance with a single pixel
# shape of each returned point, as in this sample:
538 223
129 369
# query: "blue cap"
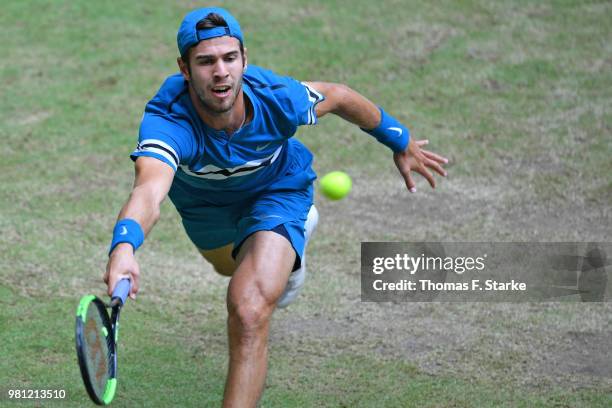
188 35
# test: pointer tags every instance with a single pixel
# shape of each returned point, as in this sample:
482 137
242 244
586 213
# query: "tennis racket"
96 342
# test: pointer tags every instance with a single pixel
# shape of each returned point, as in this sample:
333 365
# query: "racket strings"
98 351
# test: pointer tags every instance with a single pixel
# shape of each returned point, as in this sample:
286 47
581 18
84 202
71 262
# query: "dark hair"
210 21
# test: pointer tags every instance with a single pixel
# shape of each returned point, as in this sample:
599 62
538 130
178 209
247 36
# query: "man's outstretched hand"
416 159
122 264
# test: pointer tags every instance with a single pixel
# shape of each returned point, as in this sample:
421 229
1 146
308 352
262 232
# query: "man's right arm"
151 185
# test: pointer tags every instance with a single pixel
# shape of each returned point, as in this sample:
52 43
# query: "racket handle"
122 290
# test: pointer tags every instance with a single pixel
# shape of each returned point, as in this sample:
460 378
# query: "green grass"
517 93
160 365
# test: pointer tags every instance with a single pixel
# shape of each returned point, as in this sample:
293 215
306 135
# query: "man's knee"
249 308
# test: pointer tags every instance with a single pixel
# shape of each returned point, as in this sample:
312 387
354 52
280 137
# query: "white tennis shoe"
297 277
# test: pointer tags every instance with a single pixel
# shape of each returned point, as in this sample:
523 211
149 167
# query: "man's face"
215 72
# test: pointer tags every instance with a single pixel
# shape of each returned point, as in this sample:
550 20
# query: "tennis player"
217 139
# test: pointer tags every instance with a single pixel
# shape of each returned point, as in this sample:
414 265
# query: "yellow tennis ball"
336 185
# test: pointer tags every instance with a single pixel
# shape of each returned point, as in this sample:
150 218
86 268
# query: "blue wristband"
127 230
390 132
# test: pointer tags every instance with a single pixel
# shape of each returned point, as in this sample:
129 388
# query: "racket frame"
111 325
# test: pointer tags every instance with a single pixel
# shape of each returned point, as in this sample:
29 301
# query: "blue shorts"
214 226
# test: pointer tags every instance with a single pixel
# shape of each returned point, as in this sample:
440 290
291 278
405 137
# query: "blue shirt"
255 156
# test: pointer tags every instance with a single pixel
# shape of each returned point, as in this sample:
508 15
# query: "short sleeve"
289 102
163 138
304 99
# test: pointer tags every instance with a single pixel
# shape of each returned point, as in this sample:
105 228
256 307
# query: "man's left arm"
357 109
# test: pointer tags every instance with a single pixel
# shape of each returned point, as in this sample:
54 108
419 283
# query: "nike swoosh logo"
396 129
258 148
123 231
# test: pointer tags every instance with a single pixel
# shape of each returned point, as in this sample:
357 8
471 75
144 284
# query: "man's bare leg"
263 267
221 259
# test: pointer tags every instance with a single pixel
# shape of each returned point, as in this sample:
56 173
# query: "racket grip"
122 290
